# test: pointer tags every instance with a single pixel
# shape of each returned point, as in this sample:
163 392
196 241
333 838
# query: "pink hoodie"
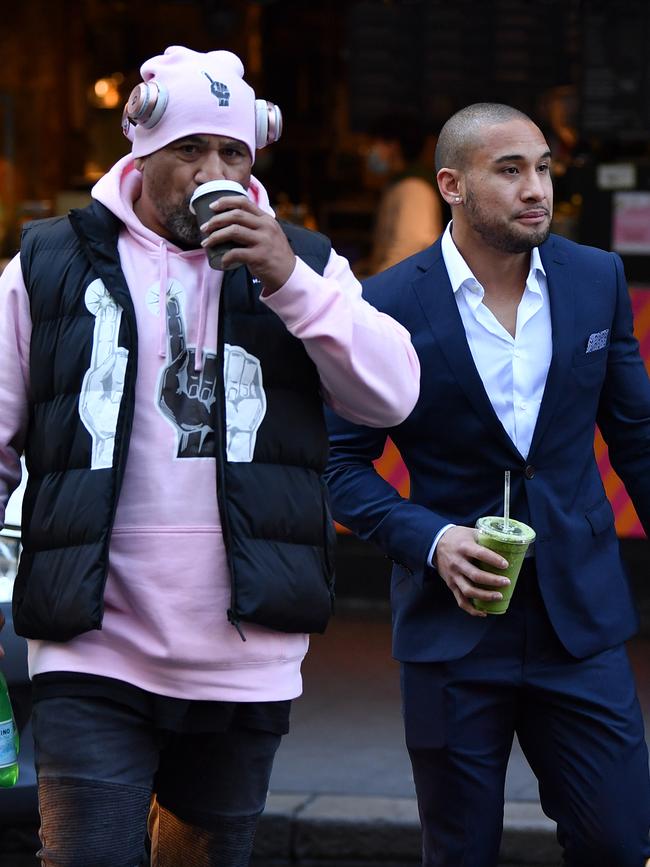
168 587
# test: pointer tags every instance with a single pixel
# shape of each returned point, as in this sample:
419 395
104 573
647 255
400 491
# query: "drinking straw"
506 502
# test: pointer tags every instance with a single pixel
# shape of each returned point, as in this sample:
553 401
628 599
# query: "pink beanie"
206 95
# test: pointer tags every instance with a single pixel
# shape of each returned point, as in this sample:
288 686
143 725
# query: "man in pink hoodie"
177 537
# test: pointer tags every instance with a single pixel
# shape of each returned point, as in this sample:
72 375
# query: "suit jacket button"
529 472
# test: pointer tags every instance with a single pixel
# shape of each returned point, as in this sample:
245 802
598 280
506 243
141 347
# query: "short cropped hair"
461 132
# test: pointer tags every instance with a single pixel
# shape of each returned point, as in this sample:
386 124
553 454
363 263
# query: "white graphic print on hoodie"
168 588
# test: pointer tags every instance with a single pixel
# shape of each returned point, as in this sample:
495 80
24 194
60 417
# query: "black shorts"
107 759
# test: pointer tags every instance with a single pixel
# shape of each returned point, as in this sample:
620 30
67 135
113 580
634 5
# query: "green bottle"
8 738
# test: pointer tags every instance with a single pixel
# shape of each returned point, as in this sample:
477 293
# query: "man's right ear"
449 184
138 162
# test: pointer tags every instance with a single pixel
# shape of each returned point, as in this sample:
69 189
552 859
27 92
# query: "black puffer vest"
273 509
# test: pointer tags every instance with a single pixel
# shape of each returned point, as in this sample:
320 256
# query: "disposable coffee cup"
202 198
512 543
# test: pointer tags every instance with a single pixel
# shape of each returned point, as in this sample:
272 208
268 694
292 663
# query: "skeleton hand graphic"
103 384
187 395
245 402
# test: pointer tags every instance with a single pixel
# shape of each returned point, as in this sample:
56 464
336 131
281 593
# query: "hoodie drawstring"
162 300
203 315
162 308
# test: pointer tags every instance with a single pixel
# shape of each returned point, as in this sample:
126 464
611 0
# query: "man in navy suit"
525 341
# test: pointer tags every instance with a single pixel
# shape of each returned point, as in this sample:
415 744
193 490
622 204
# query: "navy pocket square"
597 340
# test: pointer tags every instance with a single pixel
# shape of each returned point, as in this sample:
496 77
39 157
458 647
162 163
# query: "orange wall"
627 521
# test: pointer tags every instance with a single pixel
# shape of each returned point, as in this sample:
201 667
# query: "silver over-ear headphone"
268 123
145 106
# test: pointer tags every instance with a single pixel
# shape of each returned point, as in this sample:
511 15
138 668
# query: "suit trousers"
579 724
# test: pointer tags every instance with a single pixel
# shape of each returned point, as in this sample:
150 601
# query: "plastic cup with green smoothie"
512 543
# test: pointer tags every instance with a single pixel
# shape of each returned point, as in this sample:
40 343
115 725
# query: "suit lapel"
562 301
436 298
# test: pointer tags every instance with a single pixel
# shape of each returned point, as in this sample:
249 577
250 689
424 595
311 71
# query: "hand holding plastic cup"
509 538
202 198
511 544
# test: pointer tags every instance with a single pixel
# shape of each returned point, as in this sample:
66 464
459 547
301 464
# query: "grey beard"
183 227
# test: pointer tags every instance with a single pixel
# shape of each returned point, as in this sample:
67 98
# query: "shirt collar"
459 271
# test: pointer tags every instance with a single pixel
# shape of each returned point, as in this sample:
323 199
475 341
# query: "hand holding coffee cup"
246 235
200 202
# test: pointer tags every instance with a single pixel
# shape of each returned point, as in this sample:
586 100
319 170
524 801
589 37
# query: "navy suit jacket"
456 451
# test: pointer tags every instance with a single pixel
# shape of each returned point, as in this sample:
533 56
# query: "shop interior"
343 74
347 75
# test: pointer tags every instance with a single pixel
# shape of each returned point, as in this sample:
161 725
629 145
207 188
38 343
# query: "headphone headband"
148 100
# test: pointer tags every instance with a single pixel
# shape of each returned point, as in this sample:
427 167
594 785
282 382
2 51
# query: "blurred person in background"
409 214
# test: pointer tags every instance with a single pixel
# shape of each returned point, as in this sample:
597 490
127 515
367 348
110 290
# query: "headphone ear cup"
275 122
146 105
268 123
261 123
159 104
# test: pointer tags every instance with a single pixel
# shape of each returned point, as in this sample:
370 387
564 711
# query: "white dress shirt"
513 369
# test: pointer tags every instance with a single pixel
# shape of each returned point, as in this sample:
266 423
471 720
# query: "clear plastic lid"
517 533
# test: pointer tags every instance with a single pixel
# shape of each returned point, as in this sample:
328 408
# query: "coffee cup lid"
216 187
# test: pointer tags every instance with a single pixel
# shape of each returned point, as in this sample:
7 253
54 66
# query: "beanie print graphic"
219 90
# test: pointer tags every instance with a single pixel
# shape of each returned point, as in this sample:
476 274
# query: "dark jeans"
106 772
